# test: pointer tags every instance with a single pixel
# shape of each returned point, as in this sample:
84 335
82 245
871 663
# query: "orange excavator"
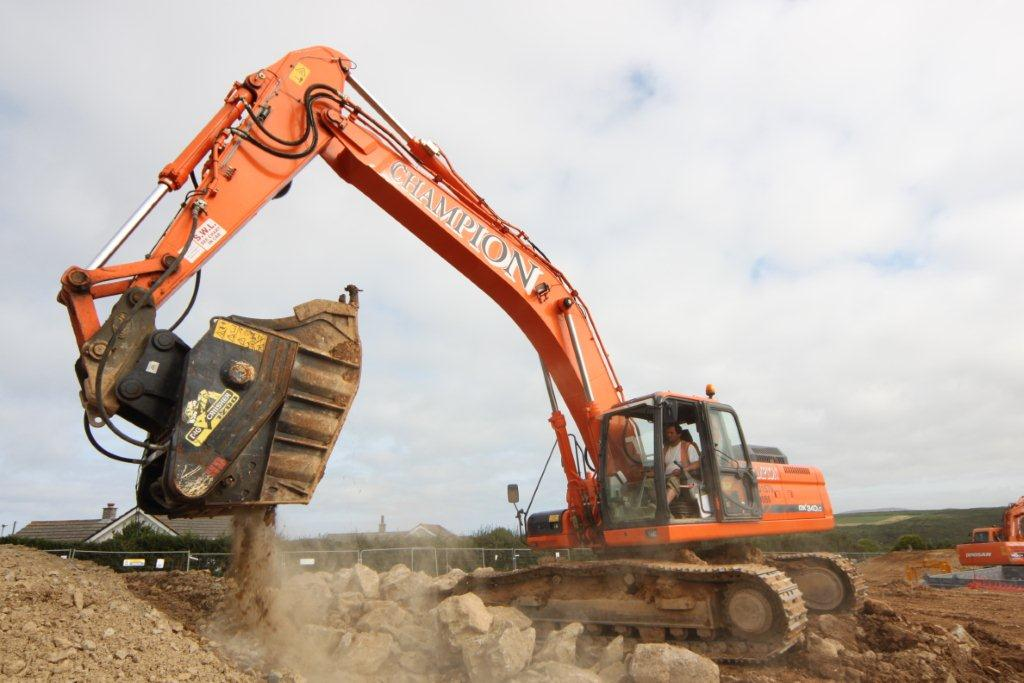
997 545
249 415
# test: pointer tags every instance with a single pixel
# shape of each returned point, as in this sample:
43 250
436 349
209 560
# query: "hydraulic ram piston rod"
129 226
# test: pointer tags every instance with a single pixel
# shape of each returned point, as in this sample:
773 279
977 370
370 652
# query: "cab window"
738 496
629 467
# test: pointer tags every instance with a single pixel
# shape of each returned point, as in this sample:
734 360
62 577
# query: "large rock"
320 639
365 653
661 663
364 581
340 579
462 615
872 606
417 637
388 618
446 582
499 654
505 617
415 662
544 672
842 629
613 653
960 635
349 606
824 649
560 645
410 588
614 673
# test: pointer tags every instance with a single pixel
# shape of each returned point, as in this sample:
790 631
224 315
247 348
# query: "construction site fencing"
430 560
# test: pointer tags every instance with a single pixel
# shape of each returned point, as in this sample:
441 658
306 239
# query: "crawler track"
742 612
819 576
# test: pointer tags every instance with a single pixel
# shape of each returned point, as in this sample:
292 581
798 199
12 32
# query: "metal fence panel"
124 561
318 560
383 559
432 561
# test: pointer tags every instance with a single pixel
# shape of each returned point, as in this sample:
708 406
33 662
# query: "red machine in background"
997 545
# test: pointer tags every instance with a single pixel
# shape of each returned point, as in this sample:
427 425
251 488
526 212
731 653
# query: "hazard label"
240 336
299 74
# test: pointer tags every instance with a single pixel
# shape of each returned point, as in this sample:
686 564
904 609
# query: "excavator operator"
681 455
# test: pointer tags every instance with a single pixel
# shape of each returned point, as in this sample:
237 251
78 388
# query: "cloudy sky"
816 206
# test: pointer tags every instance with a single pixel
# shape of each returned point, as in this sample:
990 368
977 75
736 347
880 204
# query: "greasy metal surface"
262 436
622 596
854 587
131 340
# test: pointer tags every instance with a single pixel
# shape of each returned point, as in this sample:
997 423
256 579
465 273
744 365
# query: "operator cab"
986 535
668 459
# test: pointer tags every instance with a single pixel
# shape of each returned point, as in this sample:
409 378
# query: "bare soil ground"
75 621
908 633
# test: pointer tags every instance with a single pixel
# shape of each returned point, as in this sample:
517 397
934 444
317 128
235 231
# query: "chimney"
381 528
109 512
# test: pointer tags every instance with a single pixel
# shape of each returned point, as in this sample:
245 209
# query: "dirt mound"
189 597
893 566
69 620
907 633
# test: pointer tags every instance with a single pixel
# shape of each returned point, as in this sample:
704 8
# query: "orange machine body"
301 100
997 545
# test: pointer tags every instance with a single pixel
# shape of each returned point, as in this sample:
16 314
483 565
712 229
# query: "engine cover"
260 407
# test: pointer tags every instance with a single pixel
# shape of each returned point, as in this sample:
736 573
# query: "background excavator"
997 545
248 416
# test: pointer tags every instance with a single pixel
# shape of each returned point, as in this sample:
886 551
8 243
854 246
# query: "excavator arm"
270 126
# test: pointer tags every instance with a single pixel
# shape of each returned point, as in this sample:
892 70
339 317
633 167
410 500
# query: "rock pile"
398 626
65 620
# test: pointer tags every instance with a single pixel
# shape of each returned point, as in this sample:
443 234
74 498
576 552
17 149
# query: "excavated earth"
71 620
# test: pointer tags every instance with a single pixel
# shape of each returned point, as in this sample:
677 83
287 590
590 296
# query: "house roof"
208 527
70 530
433 529
82 530
118 525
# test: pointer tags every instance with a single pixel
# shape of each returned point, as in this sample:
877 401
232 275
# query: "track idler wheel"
822 589
748 610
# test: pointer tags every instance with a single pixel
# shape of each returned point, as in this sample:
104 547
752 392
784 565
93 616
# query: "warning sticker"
206 412
134 562
240 336
299 74
206 237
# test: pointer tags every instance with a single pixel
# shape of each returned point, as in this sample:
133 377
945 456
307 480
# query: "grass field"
860 519
862 530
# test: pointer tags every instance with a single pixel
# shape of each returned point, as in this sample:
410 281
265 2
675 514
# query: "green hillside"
858 531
